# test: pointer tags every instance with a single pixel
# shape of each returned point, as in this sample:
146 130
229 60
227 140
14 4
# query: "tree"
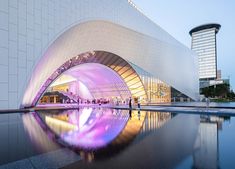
221 91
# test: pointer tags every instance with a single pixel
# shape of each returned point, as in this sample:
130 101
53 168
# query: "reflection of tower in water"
206 153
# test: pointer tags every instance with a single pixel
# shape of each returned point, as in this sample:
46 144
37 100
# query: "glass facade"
157 91
204 44
109 77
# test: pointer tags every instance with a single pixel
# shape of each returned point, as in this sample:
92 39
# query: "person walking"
139 114
130 114
117 101
138 104
78 101
207 103
130 104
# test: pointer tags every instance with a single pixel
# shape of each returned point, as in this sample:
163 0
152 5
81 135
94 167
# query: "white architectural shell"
38 36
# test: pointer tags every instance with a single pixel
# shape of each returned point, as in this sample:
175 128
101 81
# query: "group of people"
129 101
93 101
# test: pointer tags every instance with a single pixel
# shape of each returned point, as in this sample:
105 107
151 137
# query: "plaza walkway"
227 109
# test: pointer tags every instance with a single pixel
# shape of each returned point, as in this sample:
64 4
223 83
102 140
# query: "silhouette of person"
139 114
130 114
138 103
130 104
207 102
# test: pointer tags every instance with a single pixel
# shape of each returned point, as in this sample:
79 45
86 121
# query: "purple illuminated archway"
92 68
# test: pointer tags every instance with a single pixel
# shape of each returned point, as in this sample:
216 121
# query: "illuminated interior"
91 81
102 76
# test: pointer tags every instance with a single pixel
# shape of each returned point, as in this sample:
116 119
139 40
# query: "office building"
204 44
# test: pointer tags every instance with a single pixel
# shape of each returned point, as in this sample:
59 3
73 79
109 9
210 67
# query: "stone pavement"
52 160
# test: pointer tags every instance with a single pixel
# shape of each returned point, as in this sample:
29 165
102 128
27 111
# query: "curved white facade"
38 36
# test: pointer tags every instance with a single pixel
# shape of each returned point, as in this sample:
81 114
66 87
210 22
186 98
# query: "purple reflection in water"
96 131
88 128
79 118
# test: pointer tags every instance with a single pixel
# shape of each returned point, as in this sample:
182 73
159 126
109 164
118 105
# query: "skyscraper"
204 44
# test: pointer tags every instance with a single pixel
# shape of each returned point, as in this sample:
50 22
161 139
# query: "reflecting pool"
110 138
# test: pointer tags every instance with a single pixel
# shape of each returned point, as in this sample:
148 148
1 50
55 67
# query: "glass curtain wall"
156 90
137 83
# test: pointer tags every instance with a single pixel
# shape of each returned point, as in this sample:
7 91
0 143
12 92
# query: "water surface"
108 138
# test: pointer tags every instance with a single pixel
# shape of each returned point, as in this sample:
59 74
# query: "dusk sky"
178 17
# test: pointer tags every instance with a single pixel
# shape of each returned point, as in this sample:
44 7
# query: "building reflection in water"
41 139
92 129
165 139
163 145
154 121
206 153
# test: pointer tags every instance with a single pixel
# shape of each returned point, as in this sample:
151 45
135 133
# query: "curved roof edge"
206 26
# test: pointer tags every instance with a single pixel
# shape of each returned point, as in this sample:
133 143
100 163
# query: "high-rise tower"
204 44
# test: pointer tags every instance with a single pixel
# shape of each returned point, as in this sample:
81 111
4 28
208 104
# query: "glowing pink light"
96 132
89 76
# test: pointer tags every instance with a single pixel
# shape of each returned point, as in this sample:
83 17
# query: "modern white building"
110 48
